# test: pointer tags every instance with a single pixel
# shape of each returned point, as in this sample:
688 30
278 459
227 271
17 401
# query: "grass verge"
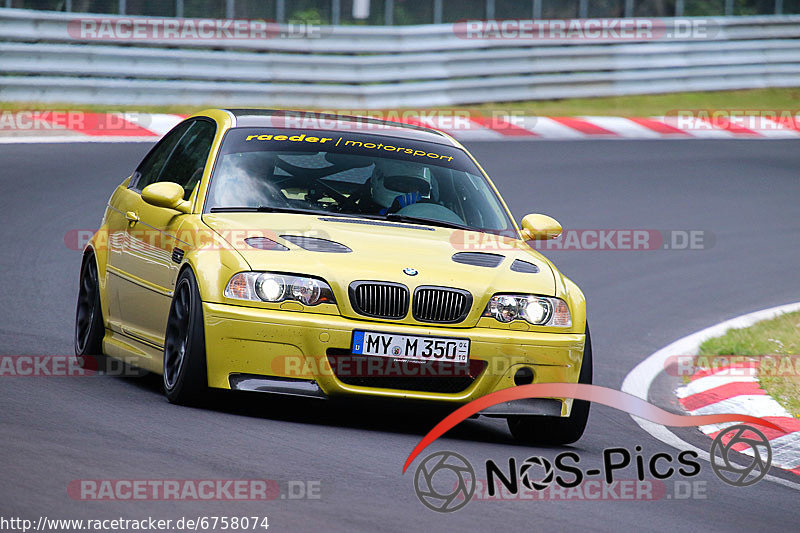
622 106
777 343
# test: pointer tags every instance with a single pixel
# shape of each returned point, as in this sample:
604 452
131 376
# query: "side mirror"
540 228
166 194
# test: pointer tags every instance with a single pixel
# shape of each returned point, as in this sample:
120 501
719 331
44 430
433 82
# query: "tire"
89 324
555 430
185 376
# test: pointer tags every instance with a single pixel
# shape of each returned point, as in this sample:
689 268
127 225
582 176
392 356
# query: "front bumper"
252 342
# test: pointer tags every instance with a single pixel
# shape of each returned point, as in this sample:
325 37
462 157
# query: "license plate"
412 347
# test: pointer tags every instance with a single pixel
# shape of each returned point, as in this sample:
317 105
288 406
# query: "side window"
188 160
150 168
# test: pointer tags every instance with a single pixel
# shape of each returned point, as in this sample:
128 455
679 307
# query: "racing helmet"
392 178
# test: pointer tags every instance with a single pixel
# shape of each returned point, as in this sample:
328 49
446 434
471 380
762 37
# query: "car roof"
310 120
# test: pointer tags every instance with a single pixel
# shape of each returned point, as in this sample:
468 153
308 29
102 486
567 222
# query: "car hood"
381 251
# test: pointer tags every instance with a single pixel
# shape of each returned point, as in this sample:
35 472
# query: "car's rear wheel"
185 374
549 430
89 327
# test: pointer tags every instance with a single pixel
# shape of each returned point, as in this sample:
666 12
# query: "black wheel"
89 327
554 430
185 375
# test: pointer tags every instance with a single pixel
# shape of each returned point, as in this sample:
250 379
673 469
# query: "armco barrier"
372 67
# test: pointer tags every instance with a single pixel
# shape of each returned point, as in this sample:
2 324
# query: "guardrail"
41 59
390 12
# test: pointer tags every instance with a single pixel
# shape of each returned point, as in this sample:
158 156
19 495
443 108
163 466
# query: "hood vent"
478 259
523 266
313 244
262 243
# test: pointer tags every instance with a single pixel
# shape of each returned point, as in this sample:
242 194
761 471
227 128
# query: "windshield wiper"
268 209
427 221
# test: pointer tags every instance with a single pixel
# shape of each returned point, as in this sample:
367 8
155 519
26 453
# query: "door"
146 264
121 217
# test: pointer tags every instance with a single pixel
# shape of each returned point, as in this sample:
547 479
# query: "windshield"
349 174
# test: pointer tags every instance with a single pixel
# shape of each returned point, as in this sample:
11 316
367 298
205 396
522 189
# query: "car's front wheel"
554 430
185 374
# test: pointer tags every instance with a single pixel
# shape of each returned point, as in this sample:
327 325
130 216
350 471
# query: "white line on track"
76 139
709 382
640 379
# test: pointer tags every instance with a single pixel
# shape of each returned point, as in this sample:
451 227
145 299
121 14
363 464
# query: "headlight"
503 308
538 310
271 287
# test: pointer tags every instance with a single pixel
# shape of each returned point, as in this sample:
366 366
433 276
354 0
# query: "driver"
397 184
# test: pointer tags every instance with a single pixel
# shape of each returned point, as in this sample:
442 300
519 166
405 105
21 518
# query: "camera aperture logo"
526 469
759 451
444 482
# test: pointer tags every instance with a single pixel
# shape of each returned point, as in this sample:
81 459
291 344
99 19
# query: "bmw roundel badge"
410 271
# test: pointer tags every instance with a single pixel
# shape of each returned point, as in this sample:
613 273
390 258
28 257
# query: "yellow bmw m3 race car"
323 255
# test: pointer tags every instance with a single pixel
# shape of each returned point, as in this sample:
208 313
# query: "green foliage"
777 336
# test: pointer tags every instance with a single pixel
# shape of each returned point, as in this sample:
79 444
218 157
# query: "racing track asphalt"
55 430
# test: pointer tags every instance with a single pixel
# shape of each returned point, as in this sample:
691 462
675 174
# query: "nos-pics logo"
445 481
